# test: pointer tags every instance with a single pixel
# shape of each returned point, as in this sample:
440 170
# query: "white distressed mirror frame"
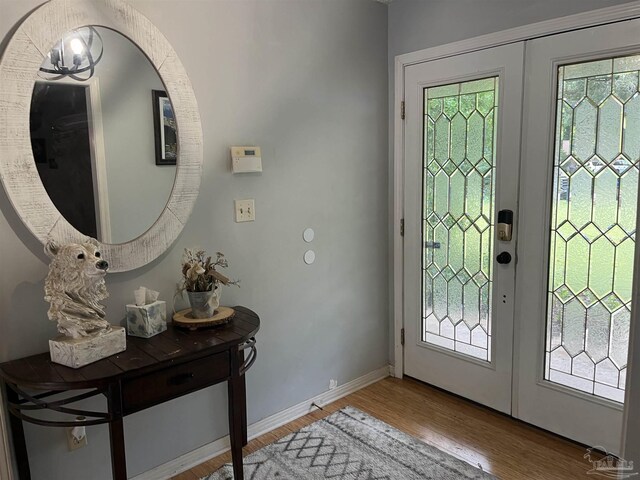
18 72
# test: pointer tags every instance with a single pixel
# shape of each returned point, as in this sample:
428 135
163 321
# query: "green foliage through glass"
593 225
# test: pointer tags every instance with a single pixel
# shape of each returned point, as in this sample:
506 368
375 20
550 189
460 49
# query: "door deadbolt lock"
505 224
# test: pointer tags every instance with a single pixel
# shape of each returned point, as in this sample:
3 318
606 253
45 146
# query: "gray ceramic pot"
204 304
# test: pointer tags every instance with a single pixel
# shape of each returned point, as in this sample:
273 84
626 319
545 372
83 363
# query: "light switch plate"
245 210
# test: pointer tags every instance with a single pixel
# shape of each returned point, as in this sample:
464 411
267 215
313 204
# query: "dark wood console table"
150 371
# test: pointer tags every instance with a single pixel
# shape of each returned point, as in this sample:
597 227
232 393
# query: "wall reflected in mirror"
94 140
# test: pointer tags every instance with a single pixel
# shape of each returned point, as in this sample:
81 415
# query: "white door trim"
98 161
527 32
631 389
398 215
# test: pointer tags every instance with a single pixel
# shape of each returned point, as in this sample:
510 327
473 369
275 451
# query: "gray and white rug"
351 445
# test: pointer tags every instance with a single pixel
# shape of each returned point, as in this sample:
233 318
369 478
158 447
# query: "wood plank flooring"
509 449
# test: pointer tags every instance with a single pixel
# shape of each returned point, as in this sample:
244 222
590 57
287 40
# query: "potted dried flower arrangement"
201 281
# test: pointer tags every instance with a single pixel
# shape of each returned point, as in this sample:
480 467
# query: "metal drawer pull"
180 379
253 354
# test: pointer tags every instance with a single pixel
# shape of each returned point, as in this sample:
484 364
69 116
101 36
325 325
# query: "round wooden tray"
183 318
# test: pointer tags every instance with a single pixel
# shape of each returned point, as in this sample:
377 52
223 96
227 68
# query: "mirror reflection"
103 135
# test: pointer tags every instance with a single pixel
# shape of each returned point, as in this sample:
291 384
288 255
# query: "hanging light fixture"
74 56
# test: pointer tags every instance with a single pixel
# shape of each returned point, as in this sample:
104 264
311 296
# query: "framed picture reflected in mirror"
164 125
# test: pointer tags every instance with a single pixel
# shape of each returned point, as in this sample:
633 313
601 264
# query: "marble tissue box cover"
147 320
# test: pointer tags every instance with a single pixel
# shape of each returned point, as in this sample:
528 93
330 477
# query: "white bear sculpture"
74 288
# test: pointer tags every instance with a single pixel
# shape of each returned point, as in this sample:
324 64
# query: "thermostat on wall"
246 159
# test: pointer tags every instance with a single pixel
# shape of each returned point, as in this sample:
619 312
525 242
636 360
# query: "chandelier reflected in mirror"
74 56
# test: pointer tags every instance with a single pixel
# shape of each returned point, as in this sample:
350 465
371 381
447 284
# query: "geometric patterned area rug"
351 445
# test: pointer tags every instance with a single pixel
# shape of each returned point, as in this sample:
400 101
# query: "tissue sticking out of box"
140 295
145 296
151 296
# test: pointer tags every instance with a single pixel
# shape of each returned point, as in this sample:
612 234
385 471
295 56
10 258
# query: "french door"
552 134
462 150
577 230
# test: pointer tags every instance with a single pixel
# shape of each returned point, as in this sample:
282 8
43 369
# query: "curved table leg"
116 433
17 436
243 409
237 414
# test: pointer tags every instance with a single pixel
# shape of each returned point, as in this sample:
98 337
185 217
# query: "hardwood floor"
509 449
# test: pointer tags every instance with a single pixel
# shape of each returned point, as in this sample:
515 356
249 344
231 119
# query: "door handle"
504 258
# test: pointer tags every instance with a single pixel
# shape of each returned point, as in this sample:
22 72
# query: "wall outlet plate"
245 210
333 384
72 442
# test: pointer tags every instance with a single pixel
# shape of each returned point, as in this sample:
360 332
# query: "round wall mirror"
100 134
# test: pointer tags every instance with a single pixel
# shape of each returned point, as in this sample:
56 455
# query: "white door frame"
527 32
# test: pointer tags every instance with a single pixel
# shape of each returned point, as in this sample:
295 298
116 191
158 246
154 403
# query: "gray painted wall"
418 24
305 80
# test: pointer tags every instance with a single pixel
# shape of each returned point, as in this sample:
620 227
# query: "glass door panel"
593 225
457 222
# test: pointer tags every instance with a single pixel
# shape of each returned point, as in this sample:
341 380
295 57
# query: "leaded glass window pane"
593 225
458 211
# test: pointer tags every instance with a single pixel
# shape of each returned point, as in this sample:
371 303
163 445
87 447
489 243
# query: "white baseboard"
213 449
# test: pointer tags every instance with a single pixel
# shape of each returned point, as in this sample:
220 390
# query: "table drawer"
157 387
